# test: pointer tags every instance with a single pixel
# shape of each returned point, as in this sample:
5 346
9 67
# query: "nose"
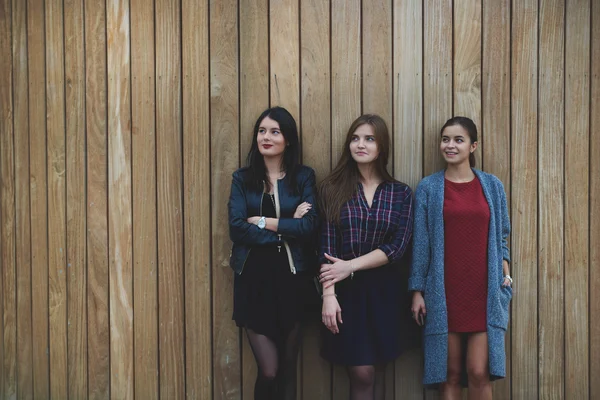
361 143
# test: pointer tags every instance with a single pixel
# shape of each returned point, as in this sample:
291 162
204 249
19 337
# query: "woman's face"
363 146
456 146
271 142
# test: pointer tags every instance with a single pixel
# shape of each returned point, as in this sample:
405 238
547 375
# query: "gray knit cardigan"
427 273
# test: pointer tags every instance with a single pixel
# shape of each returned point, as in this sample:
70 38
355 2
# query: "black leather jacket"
297 234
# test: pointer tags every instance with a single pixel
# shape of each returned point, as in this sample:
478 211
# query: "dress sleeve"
329 239
401 238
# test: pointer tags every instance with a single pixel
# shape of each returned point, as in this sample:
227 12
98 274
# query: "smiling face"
363 146
456 145
270 140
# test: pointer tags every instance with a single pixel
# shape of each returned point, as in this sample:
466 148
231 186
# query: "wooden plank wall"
122 121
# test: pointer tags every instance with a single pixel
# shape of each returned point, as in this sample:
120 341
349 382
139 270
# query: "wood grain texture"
524 193
36 57
346 104
7 209
97 200
169 194
594 312
467 64
437 73
57 240
594 285
346 88
196 199
316 153
551 200
119 200
285 55
143 158
24 372
576 159
254 95
495 114
408 97
77 361
316 89
377 80
224 122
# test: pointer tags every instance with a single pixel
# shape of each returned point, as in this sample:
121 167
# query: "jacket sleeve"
421 248
240 230
505 221
395 250
302 227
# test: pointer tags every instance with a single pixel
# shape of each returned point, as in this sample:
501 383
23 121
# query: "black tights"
362 382
276 365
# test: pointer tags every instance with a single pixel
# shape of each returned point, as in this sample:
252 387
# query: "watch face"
262 223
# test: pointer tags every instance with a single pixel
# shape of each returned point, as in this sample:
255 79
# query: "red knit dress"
466 224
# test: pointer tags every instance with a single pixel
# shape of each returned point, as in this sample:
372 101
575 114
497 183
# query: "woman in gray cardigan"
460 269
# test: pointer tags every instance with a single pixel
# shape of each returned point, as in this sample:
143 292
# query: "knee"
478 375
453 377
268 374
362 376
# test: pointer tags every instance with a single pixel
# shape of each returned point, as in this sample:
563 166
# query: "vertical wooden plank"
524 193
551 199
170 222
22 201
7 209
316 90
285 55
346 102
408 94
97 201
143 153
594 285
196 169
577 107
119 202
76 216
495 114
316 151
36 58
467 64
376 56
437 84
346 89
408 153
254 99
57 241
224 121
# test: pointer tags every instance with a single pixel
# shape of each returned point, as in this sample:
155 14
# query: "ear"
474 146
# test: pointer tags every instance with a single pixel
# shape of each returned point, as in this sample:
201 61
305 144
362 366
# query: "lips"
361 153
267 146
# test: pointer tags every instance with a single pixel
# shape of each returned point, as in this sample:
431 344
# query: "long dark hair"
257 177
469 126
337 188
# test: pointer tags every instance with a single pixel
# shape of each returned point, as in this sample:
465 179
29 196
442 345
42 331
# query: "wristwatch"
262 222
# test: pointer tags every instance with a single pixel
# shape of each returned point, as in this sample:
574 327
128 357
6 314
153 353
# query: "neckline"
460 183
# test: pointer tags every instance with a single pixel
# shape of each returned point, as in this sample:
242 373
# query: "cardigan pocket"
501 313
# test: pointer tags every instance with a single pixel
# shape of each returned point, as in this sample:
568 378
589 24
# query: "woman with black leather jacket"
272 224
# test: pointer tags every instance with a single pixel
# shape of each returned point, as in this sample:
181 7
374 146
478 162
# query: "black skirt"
268 298
377 326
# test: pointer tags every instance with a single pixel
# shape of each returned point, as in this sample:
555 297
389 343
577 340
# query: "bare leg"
451 390
362 382
478 368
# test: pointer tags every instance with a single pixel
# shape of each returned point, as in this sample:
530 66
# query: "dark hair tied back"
469 126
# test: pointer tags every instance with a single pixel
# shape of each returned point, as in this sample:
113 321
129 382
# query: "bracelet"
509 278
328 294
352 268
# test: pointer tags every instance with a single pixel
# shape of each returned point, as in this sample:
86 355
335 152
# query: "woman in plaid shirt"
366 231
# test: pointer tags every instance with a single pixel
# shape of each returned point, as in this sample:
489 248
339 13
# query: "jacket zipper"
285 244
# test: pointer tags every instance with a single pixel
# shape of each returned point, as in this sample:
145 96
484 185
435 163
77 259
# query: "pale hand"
331 313
418 308
253 220
302 209
336 272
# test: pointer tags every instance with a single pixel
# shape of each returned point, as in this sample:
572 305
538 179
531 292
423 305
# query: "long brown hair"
339 186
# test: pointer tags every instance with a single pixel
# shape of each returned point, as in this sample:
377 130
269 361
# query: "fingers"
339 316
331 258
